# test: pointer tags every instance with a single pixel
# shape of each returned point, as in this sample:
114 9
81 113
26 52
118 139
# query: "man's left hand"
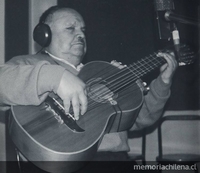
168 69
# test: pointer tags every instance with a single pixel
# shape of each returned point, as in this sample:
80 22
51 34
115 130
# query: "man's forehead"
67 15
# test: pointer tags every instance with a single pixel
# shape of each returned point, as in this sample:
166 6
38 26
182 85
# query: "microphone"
164 27
171 16
176 41
167 29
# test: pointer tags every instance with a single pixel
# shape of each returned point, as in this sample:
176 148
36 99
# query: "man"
30 78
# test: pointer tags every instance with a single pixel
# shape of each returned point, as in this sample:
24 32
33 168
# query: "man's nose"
80 34
81 37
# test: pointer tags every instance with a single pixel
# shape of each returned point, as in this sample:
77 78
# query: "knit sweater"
28 79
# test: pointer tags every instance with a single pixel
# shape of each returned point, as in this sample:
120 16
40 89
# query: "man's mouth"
79 43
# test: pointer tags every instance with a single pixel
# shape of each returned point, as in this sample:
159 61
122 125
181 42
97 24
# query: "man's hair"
47 15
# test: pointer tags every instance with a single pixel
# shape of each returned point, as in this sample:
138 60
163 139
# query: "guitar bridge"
63 118
63 109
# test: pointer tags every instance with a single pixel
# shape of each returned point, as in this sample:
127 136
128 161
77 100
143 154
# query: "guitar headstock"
185 54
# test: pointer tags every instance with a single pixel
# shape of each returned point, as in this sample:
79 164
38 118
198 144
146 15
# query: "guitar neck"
145 65
135 71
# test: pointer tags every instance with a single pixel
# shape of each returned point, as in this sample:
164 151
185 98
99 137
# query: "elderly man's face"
68 38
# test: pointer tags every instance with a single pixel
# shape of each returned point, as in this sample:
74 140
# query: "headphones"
42 32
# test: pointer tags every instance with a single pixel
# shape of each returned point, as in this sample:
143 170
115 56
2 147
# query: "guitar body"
39 136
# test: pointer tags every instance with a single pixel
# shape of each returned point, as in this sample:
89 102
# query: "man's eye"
70 28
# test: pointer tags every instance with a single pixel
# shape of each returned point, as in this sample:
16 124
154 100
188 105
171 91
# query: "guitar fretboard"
145 65
135 71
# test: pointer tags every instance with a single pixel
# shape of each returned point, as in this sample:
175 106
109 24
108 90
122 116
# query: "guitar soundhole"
99 91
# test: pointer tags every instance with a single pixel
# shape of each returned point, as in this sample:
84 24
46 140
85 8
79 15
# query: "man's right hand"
72 91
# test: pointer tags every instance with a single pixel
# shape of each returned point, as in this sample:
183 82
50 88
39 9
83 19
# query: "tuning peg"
145 88
144 84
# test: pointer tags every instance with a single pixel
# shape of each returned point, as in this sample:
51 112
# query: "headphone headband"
48 12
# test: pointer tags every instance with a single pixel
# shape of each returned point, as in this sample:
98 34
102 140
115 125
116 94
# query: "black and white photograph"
99 86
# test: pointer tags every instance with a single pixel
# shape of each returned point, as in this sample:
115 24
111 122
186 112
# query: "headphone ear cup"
42 34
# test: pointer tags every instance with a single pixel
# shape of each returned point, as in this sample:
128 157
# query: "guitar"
46 133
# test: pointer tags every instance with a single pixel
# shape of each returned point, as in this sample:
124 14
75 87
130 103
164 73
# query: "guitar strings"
128 77
127 80
132 75
136 74
143 69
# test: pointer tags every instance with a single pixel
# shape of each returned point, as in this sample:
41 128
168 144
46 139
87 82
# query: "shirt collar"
78 68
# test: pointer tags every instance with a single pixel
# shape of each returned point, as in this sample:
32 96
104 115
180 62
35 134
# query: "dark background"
122 30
